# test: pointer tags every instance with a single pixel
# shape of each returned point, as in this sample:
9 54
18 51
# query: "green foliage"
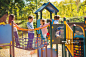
23 8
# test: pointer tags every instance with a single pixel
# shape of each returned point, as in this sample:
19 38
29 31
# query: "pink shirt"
44 30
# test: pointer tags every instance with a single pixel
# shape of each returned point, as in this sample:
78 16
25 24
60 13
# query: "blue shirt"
30 26
56 22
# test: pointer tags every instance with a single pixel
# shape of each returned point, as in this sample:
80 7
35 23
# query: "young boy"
30 33
56 18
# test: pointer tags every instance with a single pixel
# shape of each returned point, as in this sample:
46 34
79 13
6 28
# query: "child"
44 30
56 18
11 18
30 33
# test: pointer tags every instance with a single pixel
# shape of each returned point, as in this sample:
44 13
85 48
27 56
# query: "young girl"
11 18
44 30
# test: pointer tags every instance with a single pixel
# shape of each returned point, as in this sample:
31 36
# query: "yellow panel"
69 35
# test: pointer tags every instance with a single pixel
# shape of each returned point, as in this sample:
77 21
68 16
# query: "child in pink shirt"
44 30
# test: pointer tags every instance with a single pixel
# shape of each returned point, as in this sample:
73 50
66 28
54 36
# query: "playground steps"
78 46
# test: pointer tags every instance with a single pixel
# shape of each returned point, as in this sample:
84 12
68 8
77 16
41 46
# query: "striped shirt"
30 26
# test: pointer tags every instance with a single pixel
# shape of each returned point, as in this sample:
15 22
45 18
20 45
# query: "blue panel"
38 25
53 21
79 36
5 34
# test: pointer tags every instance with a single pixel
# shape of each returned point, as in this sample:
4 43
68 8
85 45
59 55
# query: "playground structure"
68 36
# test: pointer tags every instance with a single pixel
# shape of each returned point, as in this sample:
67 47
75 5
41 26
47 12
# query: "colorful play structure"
72 36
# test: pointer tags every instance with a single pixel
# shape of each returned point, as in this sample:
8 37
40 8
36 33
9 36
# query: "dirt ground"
26 53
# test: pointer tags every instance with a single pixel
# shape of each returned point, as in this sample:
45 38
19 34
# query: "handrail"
30 29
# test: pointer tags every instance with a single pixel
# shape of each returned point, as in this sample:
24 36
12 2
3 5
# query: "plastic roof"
48 6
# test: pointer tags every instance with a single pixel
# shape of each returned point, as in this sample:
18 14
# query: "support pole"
56 44
41 15
62 44
64 48
51 33
46 49
85 37
51 29
73 30
10 50
41 40
36 16
37 35
50 15
69 54
36 20
12 41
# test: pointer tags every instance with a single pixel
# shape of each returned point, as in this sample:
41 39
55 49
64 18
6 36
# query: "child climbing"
11 18
44 30
56 18
30 33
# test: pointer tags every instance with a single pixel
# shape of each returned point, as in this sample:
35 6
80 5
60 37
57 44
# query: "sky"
61 0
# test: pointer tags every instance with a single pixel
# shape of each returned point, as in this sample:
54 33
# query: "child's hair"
43 21
56 17
30 17
11 18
